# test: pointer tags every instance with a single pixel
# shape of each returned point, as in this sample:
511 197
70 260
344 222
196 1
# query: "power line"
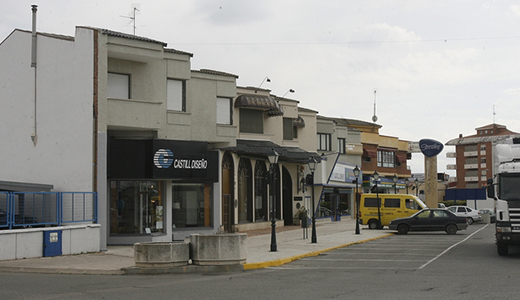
349 43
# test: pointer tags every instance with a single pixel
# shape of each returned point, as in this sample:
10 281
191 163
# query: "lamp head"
376 175
395 178
356 171
273 157
312 164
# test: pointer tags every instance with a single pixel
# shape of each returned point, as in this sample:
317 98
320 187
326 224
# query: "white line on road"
451 247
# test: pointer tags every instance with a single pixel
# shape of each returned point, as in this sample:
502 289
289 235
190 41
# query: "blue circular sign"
430 147
163 158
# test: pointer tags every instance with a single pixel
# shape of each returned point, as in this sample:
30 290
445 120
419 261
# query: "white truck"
505 189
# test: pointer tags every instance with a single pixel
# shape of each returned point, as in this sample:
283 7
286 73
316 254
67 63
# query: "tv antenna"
135 8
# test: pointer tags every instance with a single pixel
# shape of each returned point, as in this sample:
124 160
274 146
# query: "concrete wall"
28 243
62 154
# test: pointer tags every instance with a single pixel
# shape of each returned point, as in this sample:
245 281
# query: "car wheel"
502 249
373 224
451 229
402 229
470 221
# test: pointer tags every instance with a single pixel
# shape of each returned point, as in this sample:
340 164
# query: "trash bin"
52 243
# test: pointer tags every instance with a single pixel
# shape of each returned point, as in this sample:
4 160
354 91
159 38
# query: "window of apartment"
224 111
251 121
342 145
482 147
176 95
118 86
482 160
386 159
483 172
288 129
324 142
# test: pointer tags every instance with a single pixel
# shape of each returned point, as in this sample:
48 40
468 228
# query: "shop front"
160 190
338 194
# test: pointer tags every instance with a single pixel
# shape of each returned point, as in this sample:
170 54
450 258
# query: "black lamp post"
395 183
312 167
376 178
356 174
273 160
406 182
417 187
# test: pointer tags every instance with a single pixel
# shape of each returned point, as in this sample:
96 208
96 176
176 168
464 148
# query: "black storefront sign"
182 161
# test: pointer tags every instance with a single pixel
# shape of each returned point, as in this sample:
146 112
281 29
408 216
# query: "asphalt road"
412 266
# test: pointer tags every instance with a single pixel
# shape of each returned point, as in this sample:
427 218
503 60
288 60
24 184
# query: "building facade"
473 155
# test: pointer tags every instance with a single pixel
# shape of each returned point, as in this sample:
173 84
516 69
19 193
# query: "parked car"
19 220
490 212
430 219
469 213
441 205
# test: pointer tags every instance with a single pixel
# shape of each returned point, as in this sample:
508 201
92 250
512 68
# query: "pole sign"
430 148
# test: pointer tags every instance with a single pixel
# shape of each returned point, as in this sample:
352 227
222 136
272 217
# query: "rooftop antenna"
135 7
374 118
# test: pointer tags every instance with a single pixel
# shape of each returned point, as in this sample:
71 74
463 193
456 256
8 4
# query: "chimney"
33 45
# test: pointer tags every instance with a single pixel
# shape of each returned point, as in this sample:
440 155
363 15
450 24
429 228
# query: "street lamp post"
273 160
417 187
395 183
356 174
376 178
312 167
406 182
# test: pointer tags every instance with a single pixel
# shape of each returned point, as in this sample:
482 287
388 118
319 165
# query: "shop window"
251 121
224 111
176 95
136 207
333 204
118 86
260 191
324 142
191 205
245 201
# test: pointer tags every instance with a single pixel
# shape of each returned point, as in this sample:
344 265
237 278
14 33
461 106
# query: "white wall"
62 155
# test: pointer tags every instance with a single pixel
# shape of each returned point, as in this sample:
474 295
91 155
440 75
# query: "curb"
283 261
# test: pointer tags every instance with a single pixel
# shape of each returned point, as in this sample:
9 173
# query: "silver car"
469 213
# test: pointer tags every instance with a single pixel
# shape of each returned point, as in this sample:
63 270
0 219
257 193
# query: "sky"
434 69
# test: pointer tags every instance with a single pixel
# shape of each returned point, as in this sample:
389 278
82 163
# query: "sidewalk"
119 260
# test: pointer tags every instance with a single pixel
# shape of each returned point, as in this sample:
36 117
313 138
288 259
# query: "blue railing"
39 209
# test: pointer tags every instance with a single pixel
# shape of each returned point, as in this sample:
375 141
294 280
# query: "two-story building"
120 115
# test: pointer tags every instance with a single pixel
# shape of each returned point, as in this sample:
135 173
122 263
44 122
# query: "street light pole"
273 160
376 178
406 182
417 187
356 174
395 183
312 167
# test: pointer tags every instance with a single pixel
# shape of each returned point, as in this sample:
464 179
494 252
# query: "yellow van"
391 206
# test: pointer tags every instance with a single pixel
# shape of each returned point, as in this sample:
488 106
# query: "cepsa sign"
430 148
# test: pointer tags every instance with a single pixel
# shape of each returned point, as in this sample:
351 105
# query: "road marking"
451 247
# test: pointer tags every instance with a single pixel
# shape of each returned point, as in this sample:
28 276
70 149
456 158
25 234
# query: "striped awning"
264 103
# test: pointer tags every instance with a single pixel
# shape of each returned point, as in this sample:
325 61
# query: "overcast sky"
439 68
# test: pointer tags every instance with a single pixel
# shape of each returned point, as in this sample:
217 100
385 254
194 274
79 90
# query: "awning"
299 122
264 103
262 149
372 153
400 157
